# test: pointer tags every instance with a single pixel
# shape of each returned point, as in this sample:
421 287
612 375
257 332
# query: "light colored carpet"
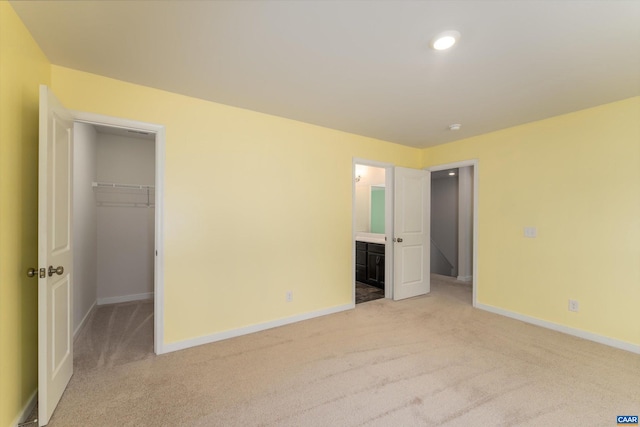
115 334
426 361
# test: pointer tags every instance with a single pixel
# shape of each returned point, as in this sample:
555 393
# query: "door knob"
57 271
33 272
399 240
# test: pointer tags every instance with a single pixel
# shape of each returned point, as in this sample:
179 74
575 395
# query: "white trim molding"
232 333
84 319
601 339
27 409
125 298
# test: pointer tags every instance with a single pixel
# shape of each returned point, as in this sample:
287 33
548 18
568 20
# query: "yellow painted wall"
23 67
576 177
255 205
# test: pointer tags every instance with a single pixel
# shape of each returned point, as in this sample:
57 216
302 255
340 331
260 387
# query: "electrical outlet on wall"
289 296
574 305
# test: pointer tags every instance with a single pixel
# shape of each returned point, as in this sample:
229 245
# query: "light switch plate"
530 232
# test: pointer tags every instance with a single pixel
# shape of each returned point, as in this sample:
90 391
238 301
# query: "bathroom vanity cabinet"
370 263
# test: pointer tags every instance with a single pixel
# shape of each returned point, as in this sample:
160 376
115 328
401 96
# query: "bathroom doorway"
370 231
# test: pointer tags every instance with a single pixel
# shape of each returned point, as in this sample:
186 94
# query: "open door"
55 292
412 208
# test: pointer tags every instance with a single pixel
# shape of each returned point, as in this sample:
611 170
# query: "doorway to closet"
114 238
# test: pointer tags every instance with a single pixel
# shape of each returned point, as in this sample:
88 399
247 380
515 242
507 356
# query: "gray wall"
465 223
84 222
125 233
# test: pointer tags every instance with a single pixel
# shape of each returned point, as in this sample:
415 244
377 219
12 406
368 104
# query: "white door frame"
158 286
462 164
388 224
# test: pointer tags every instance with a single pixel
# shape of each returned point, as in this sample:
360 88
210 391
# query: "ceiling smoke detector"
455 126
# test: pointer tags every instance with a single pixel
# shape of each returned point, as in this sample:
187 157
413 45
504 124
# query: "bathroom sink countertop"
370 237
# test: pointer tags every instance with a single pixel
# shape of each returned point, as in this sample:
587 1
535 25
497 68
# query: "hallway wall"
444 223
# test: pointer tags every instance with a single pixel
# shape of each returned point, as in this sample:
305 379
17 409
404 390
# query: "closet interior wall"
125 229
85 238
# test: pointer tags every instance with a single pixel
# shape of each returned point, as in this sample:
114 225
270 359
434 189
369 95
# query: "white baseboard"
84 319
601 339
26 410
465 278
125 298
206 339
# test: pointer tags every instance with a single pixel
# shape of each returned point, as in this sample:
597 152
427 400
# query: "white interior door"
55 292
411 228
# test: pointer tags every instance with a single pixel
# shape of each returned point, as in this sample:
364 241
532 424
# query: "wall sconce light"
360 170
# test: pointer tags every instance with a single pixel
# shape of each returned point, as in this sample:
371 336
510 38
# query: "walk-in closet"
114 233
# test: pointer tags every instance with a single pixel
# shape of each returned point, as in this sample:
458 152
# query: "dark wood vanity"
370 263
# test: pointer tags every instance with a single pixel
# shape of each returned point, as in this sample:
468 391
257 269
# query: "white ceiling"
359 66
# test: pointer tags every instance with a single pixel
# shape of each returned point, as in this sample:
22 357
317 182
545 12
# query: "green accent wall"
377 209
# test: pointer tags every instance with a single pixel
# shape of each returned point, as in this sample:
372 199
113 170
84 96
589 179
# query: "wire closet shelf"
111 194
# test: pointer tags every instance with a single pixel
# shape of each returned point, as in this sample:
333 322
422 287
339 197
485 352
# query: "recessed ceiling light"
452 173
455 126
445 40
